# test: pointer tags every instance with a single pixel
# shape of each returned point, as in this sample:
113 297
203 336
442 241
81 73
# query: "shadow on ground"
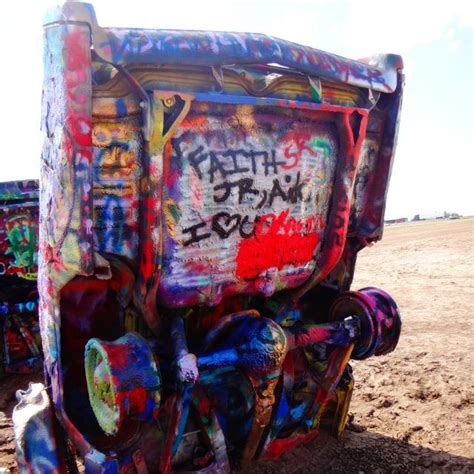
365 451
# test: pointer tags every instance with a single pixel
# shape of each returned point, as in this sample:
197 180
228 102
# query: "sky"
434 163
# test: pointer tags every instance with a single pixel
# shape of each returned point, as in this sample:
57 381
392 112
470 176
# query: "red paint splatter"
77 63
278 241
135 398
279 446
297 144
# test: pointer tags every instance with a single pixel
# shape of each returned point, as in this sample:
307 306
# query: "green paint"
175 212
322 144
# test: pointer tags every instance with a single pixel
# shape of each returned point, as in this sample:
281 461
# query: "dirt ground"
412 410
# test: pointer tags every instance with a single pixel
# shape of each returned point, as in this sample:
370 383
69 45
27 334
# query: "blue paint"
120 107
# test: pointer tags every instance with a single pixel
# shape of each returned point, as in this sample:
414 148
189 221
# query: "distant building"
429 216
399 220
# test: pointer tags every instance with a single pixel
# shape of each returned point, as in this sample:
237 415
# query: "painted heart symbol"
223 224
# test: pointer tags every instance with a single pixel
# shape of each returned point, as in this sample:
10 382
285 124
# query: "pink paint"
196 193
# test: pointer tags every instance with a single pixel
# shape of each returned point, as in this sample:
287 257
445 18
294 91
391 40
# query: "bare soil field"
412 410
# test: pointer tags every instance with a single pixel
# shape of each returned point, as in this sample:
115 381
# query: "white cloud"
370 26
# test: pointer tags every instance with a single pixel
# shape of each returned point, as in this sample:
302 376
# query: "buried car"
20 348
203 199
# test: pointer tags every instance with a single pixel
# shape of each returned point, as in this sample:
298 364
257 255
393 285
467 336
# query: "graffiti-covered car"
203 199
20 348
